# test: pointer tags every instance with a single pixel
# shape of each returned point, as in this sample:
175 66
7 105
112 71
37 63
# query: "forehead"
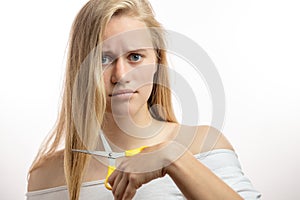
126 33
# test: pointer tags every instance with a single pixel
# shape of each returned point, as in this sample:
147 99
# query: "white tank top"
224 163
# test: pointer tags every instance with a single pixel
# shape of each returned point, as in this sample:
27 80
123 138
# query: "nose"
120 69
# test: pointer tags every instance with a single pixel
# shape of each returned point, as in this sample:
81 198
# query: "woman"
116 83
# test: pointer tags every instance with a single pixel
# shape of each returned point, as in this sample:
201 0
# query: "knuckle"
132 178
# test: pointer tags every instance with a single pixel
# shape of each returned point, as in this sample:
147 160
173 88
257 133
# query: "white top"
224 163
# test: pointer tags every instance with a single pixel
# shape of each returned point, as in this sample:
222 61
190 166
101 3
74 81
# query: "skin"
129 63
125 181
170 146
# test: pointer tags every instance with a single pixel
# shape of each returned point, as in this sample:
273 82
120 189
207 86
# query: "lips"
125 92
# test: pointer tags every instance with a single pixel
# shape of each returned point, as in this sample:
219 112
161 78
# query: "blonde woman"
117 94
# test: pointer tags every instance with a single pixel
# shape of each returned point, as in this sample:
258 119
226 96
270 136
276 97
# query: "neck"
131 132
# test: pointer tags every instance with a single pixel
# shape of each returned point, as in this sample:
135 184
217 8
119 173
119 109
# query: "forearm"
196 181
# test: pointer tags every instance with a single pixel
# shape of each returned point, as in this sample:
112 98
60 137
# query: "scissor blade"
105 143
97 153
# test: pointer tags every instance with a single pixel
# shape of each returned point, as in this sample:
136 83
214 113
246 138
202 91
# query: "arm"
192 177
196 181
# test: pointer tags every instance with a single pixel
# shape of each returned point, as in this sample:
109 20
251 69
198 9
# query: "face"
129 63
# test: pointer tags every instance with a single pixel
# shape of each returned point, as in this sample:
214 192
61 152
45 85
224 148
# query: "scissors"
112 156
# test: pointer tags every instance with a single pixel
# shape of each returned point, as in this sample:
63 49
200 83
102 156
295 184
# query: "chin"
121 113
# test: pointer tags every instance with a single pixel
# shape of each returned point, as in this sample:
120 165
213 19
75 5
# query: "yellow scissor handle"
111 169
133 152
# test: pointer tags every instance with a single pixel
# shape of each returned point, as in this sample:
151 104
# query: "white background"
255 46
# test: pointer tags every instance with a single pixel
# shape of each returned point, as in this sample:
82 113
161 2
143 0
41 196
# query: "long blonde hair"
83 103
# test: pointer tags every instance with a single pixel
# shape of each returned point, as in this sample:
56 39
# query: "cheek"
144 80
106 78
144 75
145 91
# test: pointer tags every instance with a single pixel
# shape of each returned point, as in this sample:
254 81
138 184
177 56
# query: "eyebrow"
127 51
137 50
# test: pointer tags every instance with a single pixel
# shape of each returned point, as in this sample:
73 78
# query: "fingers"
129 192
120 185
111 178
124 185
132 173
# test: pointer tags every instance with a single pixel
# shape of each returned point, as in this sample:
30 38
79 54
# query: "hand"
125 184
137 170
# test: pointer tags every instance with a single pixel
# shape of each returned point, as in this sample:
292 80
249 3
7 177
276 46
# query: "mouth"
119 93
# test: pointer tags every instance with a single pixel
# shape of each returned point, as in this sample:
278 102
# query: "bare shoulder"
206 138
49 174
214 139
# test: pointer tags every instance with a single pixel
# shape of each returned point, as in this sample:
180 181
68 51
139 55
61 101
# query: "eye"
135 57
106 60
